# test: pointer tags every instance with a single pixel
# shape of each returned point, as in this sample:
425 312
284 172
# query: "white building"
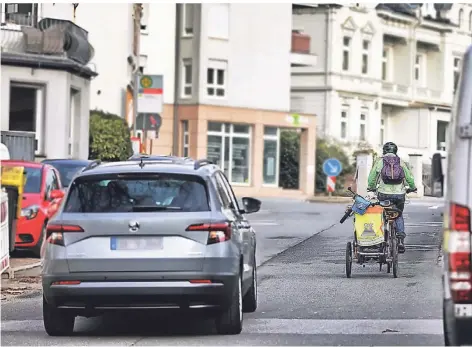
384 72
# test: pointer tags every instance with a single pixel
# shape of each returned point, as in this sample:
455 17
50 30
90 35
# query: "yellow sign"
369 227
14 176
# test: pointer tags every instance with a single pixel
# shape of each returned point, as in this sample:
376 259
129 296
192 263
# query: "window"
114 194
362 128
346 50
21 14
270 171
385 64
419 68
470 21
344 125
229 146
188 19
216 78
223 194
461 18
187 78
229 190
457 73
382 131
218 21
185 138
365 56
441 135
27 111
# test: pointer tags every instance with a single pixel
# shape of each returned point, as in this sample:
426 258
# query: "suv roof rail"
92 165
201 162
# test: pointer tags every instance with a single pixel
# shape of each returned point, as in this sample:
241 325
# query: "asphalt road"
304 296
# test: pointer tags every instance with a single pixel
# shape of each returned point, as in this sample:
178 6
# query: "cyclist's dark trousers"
399 201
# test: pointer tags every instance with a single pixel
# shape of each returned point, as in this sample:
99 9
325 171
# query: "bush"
109 137
289 159
326 149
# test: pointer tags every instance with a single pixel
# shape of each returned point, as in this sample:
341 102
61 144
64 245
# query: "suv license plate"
136 243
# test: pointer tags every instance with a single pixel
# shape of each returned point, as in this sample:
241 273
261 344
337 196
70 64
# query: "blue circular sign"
332 167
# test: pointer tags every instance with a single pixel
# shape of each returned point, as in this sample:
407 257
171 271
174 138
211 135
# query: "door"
244 228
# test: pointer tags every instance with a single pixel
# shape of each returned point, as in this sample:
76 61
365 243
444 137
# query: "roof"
39 61
23 163
151 166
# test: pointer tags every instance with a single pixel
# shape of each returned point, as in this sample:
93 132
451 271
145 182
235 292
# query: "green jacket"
374 179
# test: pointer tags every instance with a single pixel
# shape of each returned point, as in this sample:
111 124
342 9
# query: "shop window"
229 146
270 170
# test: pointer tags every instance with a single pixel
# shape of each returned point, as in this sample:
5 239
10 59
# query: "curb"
12 271
329 200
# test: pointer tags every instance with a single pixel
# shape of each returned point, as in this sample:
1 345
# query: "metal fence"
20 144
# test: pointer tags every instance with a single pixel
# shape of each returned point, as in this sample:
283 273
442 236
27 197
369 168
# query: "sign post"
332 167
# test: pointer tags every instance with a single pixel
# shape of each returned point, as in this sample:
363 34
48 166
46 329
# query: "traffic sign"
331 184
332 167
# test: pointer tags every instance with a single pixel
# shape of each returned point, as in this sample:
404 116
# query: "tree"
109 137
289 159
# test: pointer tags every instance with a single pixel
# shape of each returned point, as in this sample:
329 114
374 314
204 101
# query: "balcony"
300 52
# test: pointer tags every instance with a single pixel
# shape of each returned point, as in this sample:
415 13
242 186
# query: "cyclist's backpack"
392 171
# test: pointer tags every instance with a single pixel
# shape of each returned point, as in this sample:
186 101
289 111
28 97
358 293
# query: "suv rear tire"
230 321
57 322
250 299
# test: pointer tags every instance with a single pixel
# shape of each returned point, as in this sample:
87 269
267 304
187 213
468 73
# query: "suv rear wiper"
151 208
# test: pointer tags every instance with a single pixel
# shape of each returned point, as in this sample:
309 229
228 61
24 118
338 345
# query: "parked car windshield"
137 193
67 171
33 180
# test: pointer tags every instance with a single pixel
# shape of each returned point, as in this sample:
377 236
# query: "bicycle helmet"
390 147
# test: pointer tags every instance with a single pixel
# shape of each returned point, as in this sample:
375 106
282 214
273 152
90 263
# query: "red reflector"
200 281
460 218
66 283
459 262
64 228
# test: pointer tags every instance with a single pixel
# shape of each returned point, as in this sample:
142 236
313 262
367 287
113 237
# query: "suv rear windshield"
137 193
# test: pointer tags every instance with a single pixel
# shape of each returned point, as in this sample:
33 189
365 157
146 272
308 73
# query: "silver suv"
150 233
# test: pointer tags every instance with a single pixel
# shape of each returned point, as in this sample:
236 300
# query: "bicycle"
380 247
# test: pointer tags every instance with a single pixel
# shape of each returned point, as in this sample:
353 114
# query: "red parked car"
42 196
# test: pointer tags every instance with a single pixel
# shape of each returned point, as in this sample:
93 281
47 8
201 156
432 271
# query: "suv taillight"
459 253
217 232
55 232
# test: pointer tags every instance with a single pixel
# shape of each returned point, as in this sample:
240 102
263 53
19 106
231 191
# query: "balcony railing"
395 88
300 43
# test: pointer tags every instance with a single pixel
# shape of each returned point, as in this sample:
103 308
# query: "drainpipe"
175 130
327 68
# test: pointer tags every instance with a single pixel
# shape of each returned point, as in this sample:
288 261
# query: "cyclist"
390 173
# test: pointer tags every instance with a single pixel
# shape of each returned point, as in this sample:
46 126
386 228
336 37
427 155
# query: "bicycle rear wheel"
395 257
348 260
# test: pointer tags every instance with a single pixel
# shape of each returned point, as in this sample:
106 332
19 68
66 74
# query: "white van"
457 273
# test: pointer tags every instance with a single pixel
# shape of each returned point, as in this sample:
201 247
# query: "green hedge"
289 159
109 137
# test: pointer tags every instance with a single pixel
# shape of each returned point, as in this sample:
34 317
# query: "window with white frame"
457 72
20 14
365 56
188 10
187 78
344 124
216 78
461 18
270 171
229 147
363 126
441 135
386 63
27 111
185 139
346 52
382 131
419 68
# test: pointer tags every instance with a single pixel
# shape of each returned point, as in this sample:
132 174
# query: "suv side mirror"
251 205
56 194
437 176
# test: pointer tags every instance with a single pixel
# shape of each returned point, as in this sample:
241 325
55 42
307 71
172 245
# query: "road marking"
300 326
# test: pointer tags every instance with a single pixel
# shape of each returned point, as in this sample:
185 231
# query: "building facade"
385 72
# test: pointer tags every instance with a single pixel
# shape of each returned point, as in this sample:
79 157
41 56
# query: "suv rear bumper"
108 291
458 330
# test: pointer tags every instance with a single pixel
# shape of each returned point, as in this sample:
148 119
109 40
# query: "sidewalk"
24 278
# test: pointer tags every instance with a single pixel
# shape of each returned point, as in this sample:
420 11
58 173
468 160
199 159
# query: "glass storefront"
229 146
270 169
